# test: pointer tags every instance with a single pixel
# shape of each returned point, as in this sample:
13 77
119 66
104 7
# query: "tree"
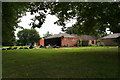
28 36
41 9
91 17
47 35
11 12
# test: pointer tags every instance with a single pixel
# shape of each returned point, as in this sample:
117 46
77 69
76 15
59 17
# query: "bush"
21 48
31 47
9 48
75 45
92 45
65 46
15 48
40 46
4 49
26 48
100 44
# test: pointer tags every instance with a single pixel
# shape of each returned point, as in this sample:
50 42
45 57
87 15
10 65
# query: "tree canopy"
28 36
92 18
47 34
11 12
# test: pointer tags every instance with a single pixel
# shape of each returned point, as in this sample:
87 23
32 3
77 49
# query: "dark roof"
61 35
85 37
116 35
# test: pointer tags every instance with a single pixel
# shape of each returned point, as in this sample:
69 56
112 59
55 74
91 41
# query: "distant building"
41 42
110 39
64 39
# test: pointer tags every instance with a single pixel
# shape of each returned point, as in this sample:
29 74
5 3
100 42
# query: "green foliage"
47 34
100 43
80 42
27 36
11 12
41 8
117 40
92 45
91 17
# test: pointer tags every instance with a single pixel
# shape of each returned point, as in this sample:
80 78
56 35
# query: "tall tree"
40 10
11 12
47 34
28 36
91 17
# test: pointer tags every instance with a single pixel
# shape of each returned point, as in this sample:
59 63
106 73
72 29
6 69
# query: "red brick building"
64 39
41 42
109 40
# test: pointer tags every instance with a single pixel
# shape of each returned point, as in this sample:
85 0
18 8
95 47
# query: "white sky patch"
108 31
26 20
47 26
72 21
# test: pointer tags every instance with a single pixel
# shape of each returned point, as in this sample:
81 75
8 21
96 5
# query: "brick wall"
92 41
95 42
42 42
69 41
109 42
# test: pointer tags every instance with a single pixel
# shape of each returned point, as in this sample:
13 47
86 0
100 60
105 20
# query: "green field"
84 62
16 46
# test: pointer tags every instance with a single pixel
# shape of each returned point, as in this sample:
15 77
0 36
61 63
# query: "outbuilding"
64 39
109 40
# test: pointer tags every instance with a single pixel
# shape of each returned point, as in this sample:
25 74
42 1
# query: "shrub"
31 47
75 45
65 46
15 48
26 48
41 46
21 48
92 45
9 48
4 49
100 44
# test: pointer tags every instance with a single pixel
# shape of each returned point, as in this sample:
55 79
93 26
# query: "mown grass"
16 46
83 62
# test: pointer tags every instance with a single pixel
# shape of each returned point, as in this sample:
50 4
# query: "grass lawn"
84 62
16 46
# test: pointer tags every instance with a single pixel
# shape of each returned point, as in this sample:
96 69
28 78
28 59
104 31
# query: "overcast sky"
47 26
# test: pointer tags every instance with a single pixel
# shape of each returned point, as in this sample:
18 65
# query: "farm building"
64 39
110 39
